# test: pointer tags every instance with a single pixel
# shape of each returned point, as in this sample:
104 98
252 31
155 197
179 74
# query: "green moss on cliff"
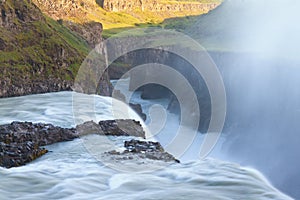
36 48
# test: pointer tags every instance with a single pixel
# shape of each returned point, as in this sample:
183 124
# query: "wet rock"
144 150
20 142
143 146
122 127
40 133
119 127
117 94
138 109
17 154
89 127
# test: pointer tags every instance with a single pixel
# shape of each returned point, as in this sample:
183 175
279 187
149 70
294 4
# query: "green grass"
72 39
32 50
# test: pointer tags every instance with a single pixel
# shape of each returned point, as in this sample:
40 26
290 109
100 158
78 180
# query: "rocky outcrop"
157 6
40 133
117 94
91 32
122 128
17 154
10 87
138 109
18 10
80 10
59 9
119 127
117 70
144 149
21 142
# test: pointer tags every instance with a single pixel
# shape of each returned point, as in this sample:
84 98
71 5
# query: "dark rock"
143 146
20 141
144 150
122 127
138 109
41 134
89 127
119 127
117 94
118 70
17 154
154 91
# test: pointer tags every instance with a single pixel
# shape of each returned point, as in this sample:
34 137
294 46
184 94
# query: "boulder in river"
118 127
39 133
122 127
21 142
17 154
138 109
144 150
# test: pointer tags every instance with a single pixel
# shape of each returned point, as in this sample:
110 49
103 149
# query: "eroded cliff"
159 6
120 13
38 54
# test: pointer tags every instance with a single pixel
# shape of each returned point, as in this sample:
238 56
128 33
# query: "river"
70 171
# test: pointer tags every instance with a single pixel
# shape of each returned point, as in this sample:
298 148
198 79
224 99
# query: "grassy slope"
32 48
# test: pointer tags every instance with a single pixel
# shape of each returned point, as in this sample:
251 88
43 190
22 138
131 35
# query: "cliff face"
120 13
37 54
163 56
157 6
60 9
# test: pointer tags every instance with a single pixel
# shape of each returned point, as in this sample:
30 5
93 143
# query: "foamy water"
69 171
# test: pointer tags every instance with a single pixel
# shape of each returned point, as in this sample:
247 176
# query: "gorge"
255 50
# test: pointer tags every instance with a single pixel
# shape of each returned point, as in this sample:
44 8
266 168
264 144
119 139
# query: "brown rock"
122 127
144 150
89 127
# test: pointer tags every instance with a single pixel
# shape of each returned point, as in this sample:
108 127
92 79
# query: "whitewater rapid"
69 171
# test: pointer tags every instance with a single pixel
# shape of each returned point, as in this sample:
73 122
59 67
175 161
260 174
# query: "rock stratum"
120 13
158 6
22 142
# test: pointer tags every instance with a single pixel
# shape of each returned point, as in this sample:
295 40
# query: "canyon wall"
157 6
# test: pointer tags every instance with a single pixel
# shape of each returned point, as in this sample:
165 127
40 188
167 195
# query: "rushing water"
69 171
